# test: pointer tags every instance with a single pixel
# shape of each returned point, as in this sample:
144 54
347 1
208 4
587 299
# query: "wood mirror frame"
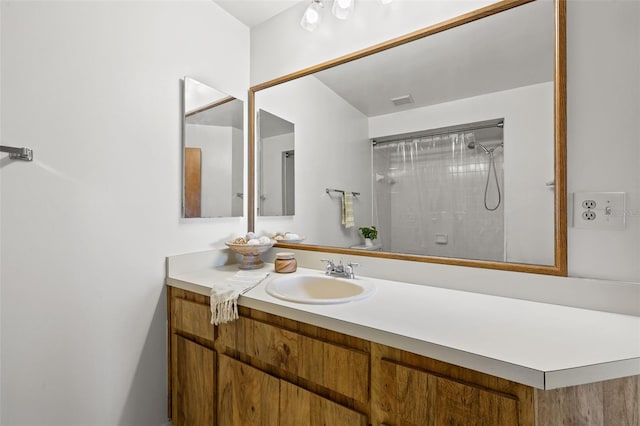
560 153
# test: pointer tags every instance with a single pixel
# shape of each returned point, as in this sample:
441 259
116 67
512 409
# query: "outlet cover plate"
607 212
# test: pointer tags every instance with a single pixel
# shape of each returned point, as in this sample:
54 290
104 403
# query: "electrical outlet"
599 210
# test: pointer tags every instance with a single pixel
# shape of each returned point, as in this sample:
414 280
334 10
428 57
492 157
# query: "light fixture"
312 16
342 8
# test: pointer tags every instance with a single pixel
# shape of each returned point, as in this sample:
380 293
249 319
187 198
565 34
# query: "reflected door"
192 181
288 183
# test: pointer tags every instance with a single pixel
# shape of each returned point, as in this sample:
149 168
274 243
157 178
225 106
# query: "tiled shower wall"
429 198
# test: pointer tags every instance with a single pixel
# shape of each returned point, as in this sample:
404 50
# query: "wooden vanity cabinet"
192 360
268 370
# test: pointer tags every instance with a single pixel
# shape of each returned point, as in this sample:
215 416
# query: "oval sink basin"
319 289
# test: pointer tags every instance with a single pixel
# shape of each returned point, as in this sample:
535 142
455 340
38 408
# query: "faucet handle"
349 269
330 265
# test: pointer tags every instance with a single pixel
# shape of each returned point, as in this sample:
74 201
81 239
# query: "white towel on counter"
347 210
224 294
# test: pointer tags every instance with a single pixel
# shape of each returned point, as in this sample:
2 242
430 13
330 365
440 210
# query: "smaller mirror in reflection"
276 166
213 142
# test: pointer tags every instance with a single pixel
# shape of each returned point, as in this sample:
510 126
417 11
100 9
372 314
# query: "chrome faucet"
339 270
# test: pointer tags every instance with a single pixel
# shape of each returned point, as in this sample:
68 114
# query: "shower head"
471 140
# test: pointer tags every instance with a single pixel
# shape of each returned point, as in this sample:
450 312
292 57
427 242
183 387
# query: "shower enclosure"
440 192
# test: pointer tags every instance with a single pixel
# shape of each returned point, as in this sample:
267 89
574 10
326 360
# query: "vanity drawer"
334 367
191 318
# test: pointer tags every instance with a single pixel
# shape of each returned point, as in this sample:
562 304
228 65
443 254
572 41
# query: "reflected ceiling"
474 49
228 114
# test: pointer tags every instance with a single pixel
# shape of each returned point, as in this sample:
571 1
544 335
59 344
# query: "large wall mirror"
449 141
213 152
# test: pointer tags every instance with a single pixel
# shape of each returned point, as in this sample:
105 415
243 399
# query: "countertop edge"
591 374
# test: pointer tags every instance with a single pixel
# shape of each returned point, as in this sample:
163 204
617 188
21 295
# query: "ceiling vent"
402 100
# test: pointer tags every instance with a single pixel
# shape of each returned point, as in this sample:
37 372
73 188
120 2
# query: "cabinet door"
247 396
419 398
193 384
300 407
191 318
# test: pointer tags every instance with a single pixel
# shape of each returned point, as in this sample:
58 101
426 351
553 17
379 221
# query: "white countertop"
538 344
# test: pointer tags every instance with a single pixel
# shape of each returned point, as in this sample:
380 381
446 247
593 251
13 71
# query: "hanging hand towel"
347 210
224 295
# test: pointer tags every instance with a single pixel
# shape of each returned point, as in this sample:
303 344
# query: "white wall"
94 88
603 98
528 117
603 129
331 141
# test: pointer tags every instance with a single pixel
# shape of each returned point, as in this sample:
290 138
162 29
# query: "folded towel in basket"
347 210
224 294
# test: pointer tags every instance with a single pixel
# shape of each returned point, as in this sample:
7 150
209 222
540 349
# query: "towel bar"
329 191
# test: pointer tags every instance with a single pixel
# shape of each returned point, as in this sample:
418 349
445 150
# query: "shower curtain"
429 196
